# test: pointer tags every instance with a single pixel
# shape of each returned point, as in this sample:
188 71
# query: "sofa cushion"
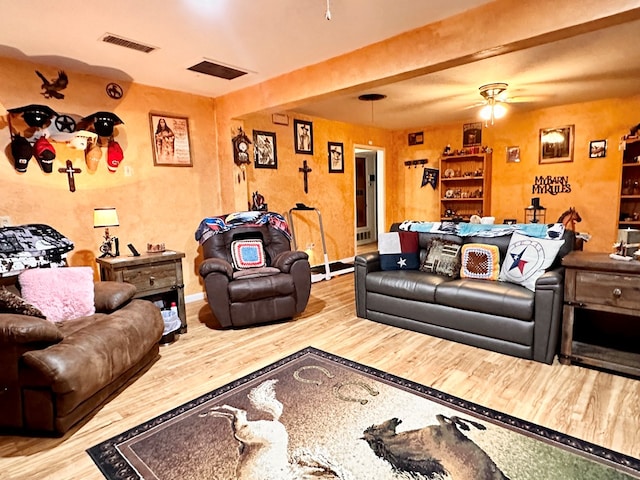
110 295
443 258
496 298
527 259
409 284
12 303
480 261
61 293
398 251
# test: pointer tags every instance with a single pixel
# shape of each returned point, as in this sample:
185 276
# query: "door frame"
380 188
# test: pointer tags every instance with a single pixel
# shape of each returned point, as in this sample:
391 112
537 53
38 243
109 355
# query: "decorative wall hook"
415 163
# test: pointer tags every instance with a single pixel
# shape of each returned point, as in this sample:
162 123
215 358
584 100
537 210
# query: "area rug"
316 415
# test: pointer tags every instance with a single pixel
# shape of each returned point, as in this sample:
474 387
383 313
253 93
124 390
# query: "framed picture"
336 157
303 133
597 148
471 134
513 154
416 138
264 149
170 140
556 144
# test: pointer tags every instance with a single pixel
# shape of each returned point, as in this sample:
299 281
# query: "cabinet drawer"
617 290
151 277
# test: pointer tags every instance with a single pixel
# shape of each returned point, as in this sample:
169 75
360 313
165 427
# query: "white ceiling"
268 38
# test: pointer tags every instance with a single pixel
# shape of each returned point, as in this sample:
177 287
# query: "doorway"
369 194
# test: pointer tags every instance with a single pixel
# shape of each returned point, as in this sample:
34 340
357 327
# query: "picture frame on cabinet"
556 144
597 148
265 150
303 136
336 157
170 140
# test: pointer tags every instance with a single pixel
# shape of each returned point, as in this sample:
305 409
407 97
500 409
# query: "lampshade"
105 217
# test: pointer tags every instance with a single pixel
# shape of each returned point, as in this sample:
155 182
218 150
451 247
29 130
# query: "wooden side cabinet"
601 317
155 275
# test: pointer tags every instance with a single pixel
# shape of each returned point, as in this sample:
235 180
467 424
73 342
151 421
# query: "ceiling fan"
494 99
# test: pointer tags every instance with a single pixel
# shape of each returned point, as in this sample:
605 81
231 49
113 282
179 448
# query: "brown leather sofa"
253 296
54 375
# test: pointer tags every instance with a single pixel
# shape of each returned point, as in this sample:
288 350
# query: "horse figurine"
569 218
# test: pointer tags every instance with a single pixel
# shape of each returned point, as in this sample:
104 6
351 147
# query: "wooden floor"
595 406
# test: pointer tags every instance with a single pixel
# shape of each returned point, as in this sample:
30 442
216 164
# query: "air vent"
123 42
217 70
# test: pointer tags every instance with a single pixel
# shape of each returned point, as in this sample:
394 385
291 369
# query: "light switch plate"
5 221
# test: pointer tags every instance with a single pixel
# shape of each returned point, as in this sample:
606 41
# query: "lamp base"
107 248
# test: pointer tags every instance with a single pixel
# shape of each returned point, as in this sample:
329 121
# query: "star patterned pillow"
398 251
527 259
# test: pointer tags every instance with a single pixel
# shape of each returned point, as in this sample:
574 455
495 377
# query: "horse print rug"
314 415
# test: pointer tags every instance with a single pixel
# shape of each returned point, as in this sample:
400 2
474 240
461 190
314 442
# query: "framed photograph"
597 148
416 138
556 144
513 154
471 134
170 140
264 149
303 133
336 157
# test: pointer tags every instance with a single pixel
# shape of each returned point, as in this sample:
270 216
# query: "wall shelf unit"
465 186
629 203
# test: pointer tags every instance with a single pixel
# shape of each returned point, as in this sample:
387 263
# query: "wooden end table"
601 324
155 276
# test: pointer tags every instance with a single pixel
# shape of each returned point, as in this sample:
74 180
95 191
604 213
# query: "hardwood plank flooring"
592 405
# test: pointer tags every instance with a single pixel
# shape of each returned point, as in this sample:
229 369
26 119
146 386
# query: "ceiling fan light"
485 112
499 110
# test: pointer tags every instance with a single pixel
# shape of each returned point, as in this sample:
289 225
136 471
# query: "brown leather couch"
54 375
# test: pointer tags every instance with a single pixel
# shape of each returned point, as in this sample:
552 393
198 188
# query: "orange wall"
154 204
332 194
594 181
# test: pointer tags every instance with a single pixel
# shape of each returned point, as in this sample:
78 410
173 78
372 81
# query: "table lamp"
107 217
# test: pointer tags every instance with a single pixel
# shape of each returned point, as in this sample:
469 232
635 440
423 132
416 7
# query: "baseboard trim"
195 297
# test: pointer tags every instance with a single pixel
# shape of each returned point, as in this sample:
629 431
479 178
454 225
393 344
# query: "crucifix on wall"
70 171
305 170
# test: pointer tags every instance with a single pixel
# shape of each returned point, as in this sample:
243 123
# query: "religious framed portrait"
303 136
265 151
556 144
170 140
336 157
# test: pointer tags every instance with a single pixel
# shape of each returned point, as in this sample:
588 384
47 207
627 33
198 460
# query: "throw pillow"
247 254
398 251
443 258
60 293
527 258
12 303
480 261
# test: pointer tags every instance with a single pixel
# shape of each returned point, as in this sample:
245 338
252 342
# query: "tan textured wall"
333 194
155 204
594 181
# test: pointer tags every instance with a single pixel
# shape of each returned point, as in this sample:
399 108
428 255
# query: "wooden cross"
69 170
305 169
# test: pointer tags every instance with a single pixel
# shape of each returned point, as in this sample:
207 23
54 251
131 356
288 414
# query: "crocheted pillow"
247 254
480 261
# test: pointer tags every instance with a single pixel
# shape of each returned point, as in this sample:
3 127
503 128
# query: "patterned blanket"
537 230
31 246
223 223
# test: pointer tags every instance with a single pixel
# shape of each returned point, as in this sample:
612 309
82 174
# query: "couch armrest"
215 265
285 260
549 301
23 329
110 296
364 264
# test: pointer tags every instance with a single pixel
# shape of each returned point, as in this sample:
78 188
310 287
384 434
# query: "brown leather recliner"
242 297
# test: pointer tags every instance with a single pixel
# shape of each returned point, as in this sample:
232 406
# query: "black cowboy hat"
35 115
